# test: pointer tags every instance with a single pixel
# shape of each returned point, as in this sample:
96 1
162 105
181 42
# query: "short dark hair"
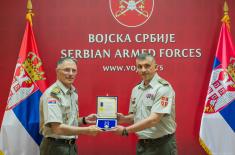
61 60
143 56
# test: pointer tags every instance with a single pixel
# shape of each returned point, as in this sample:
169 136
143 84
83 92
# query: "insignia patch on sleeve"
133 100
51 101
164 101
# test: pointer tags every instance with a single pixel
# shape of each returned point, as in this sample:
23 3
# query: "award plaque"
106 112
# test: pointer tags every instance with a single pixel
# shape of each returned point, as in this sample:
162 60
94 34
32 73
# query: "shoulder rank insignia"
55 91
163 82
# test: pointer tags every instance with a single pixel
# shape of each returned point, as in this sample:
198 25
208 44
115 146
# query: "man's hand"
118 129
120 117
129 119
91 119
93 130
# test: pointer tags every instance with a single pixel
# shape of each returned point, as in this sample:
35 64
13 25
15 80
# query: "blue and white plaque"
106 112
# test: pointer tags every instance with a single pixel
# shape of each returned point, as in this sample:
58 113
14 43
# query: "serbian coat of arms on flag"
221 90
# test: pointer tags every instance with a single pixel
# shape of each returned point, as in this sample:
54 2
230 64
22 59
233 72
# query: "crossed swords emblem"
130 6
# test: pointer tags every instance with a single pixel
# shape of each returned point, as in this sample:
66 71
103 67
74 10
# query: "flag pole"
29 13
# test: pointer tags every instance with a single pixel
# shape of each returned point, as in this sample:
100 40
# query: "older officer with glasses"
59 117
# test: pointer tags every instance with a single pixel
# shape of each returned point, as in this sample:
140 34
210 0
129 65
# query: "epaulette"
163 82
55 91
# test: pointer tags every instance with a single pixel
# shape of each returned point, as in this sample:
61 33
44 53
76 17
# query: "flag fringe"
1 152
226 20
208 151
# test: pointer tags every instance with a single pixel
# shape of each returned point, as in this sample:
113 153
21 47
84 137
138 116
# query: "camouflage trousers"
50 146
165 145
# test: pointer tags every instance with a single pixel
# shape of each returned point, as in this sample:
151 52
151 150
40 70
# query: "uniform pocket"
66 114
148 103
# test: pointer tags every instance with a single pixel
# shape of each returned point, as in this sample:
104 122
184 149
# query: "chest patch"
51 101
150 96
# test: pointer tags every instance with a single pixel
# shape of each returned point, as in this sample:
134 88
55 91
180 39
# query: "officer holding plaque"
151 112
59 113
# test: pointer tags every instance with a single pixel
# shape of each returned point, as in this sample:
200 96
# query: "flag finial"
29 12
226 18
225 8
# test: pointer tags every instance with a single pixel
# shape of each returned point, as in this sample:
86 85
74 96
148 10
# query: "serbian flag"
19 133
217 131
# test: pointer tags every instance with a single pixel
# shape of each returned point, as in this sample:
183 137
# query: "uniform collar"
152 83
64 89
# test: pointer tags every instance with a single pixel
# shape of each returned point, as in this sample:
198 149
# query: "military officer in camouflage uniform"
151 111
59 117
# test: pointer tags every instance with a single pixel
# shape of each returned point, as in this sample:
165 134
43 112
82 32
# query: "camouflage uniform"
58 104
157 97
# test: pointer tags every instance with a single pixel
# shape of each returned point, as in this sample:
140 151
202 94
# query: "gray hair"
62 60
144 56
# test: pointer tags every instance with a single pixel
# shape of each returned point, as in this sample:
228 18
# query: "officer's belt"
63 141
160 140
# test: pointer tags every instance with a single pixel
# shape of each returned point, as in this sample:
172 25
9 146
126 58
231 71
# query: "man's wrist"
124 132
84 120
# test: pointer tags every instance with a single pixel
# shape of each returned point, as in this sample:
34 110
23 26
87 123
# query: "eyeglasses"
69 70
